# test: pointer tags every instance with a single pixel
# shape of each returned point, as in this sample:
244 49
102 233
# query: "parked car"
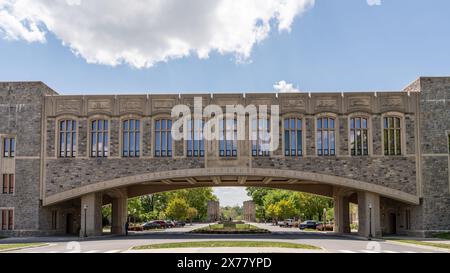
326 227
134 227
286 223
151 225
180 223
308 224
170 224
162 223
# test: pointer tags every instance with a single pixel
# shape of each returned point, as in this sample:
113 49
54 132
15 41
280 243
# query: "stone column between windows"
91 214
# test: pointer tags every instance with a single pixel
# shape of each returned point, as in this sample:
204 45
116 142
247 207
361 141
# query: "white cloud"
231 196
284 87
142 33
373 2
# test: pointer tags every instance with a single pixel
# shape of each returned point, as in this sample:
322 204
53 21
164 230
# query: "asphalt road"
117 244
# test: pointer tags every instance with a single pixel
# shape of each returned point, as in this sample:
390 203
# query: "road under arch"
344 191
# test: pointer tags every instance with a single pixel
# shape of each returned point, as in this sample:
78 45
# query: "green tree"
272 211
177 209
235 212
286 209
192 213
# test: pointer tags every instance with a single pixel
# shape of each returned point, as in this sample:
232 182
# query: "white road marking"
409 252
113 251
390 251
346 251
91 251
369 251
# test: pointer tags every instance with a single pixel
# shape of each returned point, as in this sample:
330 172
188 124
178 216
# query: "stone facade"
411 191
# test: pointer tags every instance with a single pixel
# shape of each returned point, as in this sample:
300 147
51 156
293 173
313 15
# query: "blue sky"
333 45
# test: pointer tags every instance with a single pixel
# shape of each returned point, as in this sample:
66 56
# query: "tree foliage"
154 206
177 209
300 205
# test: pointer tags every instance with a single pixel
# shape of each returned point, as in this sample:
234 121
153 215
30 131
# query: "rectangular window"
228 138
131 137
11 184
4 219
99 138
408 219
359 136
195 142
326 137
10 219
8 184
5 184
293 137
260 137
392 136
163 138
54 219
9 146
7 219
67 138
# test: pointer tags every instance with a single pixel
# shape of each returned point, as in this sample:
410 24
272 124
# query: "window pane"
332 140
286 141
138 143
125 144
158 143
6 147
74 143
331 123
131 125
319 123
325 123
352 123
132 139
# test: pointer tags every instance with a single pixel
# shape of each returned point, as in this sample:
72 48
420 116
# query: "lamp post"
370 221
85 218
324 219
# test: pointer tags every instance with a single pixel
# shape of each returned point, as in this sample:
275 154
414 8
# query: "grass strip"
226 244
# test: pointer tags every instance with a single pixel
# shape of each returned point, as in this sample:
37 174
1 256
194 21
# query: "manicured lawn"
440 245
226 244
445 235
24 245
230 228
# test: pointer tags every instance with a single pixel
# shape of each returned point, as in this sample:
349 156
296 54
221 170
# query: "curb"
418 246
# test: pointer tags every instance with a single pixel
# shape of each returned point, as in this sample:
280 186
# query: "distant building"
213 211
249 211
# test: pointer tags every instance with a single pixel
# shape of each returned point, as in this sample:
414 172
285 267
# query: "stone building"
213 214
63 157
249 211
